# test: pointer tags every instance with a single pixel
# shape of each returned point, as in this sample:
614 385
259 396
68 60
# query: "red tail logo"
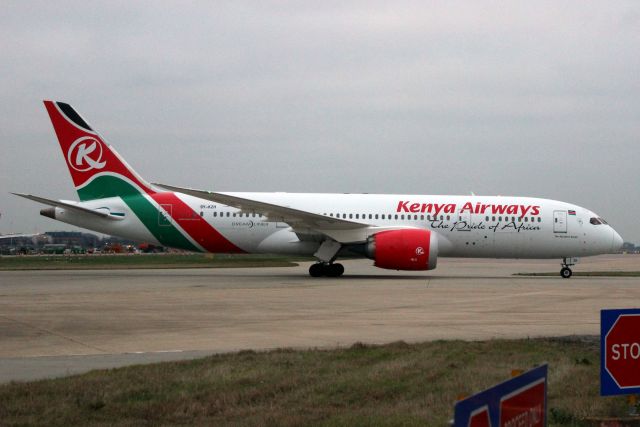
83 156
86 153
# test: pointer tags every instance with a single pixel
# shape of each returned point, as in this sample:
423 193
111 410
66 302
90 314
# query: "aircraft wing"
341 230
66 205
273 212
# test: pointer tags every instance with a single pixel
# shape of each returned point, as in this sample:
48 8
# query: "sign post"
519 401
619 352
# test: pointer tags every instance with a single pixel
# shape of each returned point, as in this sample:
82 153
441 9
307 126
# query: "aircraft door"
559 221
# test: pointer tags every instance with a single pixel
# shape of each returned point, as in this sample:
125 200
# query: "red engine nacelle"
406 249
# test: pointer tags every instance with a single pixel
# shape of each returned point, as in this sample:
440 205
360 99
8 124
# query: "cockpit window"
597 221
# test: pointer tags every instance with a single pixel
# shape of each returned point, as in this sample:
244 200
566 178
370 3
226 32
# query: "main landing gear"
566 272
326 269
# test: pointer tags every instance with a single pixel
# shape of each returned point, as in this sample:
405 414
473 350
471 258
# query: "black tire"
333 270
566 272
316 270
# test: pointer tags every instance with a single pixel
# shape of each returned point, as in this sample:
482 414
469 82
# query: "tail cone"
49 212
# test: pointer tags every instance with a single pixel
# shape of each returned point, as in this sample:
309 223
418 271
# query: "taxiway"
55 323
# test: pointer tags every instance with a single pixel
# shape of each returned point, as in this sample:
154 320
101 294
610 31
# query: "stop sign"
620 371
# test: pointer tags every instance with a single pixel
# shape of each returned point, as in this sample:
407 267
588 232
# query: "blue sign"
619 352
519 401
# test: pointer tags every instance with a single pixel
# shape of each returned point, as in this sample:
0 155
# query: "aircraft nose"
616 241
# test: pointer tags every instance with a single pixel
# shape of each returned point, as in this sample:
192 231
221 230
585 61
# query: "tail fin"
96 168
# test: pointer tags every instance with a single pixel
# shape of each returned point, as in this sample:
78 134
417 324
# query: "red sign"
622 351
518 402
525 406
480 418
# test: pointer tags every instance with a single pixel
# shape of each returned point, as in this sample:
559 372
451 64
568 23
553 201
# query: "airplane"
396 231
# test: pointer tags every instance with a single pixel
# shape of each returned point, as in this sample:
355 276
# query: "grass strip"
82 262
394 384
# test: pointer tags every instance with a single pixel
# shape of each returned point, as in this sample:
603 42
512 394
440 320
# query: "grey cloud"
426 97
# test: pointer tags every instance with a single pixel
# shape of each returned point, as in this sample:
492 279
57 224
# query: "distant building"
630 248
22 244
54 242
74 238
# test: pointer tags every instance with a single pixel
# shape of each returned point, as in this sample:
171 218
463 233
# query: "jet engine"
404 249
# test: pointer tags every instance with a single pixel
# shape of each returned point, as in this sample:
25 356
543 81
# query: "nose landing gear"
566 272
326 269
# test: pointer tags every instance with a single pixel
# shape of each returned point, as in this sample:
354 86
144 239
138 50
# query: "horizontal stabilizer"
65 205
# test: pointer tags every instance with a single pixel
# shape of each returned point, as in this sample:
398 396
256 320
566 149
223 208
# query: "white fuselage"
466 226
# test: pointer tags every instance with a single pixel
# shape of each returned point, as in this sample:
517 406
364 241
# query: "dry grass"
125 261
395 384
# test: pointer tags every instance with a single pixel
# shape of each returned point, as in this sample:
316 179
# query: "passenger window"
215 214
401 216
350 216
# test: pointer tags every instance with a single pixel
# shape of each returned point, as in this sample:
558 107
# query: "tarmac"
58 323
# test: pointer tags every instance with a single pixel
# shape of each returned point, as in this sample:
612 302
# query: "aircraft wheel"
566 272
316 270
334 270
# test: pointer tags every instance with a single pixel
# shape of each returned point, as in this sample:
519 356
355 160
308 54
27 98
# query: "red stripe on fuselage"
195 226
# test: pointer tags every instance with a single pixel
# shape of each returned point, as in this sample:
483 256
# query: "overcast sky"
512 98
